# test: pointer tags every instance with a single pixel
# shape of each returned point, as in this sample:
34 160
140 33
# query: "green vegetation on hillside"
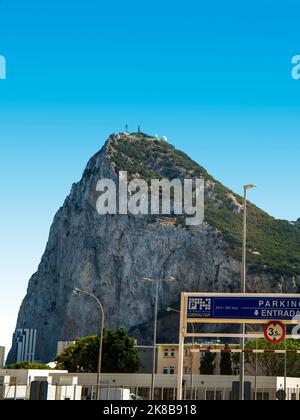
273 245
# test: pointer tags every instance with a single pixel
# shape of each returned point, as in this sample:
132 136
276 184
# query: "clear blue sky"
212 76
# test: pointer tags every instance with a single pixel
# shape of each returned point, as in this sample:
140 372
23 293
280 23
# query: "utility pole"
157 282
91 295
244 255
169 309
285 368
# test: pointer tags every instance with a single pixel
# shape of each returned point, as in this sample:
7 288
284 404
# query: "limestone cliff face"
109 254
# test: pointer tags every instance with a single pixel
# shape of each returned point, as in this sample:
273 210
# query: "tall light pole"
256 362
285 368
193 343
285 356
102 319
244 255
157 282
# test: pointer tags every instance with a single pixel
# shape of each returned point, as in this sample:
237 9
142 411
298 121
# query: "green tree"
226 363
272 364
208 364
28 365
119 354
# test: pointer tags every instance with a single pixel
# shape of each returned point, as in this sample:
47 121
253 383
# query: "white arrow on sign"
256 313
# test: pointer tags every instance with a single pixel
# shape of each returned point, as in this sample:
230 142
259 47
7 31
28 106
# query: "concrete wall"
63 378
144 380
25 377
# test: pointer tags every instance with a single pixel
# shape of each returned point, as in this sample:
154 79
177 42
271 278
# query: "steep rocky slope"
109 254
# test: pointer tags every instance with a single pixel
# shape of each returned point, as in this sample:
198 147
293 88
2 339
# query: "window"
169 353
263 396
169 370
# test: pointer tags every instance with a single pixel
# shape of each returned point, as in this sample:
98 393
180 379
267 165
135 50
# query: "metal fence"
111 393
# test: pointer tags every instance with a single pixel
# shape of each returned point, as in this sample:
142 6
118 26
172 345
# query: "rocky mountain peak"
109 254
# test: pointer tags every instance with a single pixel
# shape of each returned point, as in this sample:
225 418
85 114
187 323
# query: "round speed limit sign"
275 332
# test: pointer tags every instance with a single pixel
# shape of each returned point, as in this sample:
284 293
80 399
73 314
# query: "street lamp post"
193 343
256 362
157 283
244 255
102 318
285 367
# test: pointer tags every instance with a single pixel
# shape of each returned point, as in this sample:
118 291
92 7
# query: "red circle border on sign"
283 329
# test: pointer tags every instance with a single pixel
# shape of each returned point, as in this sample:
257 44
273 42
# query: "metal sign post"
182 334
234 308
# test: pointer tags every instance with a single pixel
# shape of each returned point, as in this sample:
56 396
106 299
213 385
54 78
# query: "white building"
16 384
24 345
62 346
205 387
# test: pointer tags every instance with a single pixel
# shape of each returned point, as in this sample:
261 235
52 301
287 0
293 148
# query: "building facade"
23 346
62 346
2 356
146 357
167 360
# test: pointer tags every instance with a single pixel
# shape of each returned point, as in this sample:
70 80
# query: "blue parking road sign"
207 308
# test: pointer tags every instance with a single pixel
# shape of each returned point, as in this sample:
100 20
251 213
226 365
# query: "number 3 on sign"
275 332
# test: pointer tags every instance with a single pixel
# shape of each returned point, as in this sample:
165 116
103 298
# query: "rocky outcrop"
109 254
